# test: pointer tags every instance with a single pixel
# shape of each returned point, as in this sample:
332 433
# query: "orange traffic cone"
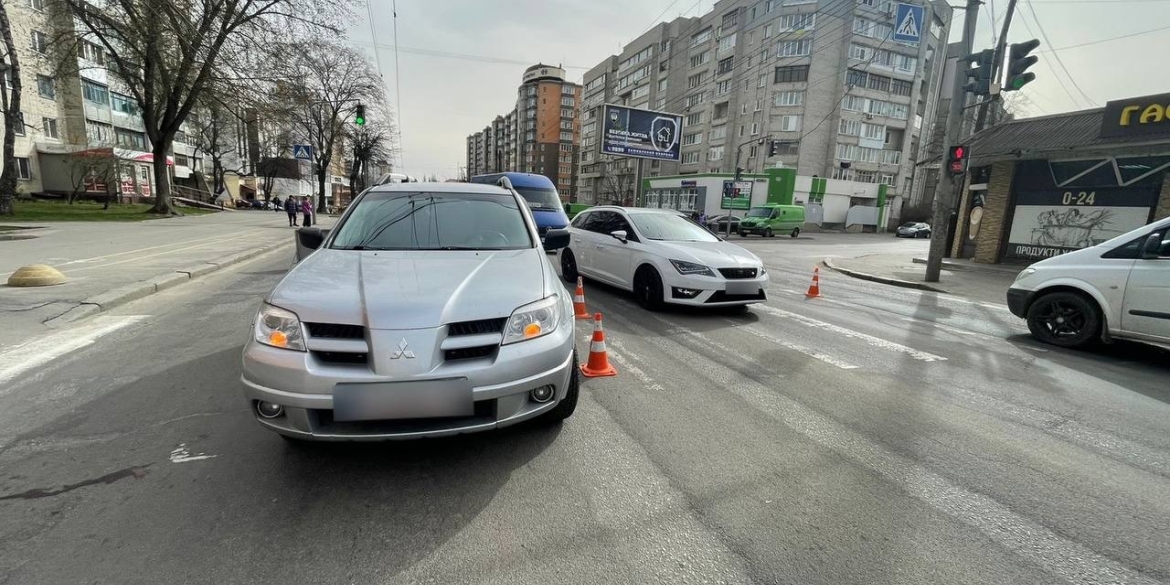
814 290
598 365
579 301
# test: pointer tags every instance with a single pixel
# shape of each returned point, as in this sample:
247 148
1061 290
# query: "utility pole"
998 69
944 192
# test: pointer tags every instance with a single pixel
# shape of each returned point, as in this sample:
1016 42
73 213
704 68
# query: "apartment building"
68 112
541 134
822 78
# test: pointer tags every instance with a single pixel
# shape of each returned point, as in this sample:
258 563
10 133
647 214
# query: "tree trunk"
11 115
321 189
162 179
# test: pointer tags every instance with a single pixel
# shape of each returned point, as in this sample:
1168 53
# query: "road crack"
137 472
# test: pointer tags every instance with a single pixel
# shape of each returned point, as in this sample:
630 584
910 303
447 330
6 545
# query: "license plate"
402 400
742 288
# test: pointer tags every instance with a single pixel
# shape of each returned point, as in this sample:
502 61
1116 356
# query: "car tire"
795 232
742 233
564 409
1065 319
926 236
768 232
569 266
648 288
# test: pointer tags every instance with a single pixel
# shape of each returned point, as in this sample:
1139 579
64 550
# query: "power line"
1056 55
1097 42
1055 73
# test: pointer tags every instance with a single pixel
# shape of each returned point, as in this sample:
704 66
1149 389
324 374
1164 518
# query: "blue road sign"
908 23
303 151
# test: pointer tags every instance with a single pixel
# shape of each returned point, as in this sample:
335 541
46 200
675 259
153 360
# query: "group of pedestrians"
303 205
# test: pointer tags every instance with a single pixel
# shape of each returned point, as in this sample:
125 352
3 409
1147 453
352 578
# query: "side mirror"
620 235
1152 247
308 240
556 239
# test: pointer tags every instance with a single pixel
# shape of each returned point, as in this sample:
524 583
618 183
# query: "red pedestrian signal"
957 160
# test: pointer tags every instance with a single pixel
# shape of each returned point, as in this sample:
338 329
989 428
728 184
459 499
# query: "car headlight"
279 328
1025 272
532 320
690 268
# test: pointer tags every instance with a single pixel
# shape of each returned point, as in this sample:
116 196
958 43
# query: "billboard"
736 195
640 133
1050 222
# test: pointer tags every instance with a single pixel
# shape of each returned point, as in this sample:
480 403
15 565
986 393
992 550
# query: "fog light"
684 293
268 409
543 394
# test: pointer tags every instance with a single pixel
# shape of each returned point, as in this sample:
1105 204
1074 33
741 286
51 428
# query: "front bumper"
500 390
1018 301
713 291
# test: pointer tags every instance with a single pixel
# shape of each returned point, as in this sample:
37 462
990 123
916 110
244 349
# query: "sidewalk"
111 263
980 282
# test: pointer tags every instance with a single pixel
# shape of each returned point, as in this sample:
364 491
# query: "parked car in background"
1116 289
769 220
661 257
913 229
718 224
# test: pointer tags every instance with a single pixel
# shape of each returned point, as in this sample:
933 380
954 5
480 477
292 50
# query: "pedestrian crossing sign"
303 151
908 19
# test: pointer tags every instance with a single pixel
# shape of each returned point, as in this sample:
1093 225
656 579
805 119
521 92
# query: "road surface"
874 435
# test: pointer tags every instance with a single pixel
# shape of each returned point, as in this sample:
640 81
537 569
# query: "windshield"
540 198
434 221
910 225
760 212
670 227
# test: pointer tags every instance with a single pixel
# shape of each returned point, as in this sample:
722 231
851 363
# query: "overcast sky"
443 99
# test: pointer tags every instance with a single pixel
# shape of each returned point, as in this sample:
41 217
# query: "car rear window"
434 221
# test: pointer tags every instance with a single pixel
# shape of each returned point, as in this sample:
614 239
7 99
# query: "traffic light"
359 115
738 174
979 78
773 147
1018 63
957 159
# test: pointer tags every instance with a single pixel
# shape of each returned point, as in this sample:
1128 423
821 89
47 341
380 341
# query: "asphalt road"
874 435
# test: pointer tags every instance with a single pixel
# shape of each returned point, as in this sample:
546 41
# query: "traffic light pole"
940 226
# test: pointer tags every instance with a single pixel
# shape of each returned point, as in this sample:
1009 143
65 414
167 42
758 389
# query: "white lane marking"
21 358
619 356
182 455
828 359
213 242
869 339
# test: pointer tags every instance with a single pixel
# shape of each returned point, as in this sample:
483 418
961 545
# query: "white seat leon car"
662 257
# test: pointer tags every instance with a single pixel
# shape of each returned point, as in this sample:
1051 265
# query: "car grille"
335 331
479 327
722 297
469 353
338 357
733 273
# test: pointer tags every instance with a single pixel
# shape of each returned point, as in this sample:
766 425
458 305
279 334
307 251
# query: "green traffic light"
359 121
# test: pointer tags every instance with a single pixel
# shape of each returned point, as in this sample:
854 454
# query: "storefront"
1041 187
97 171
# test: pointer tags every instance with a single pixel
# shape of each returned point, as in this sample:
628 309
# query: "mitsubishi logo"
402 351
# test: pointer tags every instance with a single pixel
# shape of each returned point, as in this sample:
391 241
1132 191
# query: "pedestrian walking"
290 207
307 210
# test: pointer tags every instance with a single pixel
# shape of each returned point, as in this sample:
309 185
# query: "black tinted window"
580 220
1130 250
434 221
594 222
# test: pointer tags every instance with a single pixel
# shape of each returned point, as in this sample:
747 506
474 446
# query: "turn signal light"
532 330
278 338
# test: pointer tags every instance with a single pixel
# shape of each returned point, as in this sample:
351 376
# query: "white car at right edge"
1116 289
661 257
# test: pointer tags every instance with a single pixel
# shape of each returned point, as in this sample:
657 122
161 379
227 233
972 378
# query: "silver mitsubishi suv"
431 309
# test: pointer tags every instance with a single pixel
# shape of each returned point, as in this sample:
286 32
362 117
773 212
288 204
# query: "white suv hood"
713 254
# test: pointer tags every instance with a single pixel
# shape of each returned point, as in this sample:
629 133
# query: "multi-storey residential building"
822 78
73 115
540 135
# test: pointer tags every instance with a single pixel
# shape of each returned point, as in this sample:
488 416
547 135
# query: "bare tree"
10 102
211 129
168 52
93 170
334 79
618 183
368 145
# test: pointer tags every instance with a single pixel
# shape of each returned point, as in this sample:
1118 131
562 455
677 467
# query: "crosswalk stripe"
828 359
844 332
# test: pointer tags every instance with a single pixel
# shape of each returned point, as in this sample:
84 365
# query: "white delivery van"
1116 289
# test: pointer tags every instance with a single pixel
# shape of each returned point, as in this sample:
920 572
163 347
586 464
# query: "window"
23 168
720 111
898 111
695 99
793 48
566 148
727 43
899 87
566 113
730 19
719 132
846 151
690 158
568 101
873 131
38 5
843 174
755 128
640 91
849 128
695 118
856 78
853 103
123 104
567 136
725 66
767 30
180 136
701 37
743 109
49 125
93 52
794 73
662 83
860 52
879 83
46 88
891 157
181 160
789 124
95 93
887 179
723 87
753 151
741 130
716 153
566 124
866 177
596 83
40 43
789 98
695 138
894 136
696 80
797 21
701 58
759 105
763 56
866 2
786 148
642 55
905 63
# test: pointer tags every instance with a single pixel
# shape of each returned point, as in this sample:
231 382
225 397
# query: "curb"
132 292
828 262
966 268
